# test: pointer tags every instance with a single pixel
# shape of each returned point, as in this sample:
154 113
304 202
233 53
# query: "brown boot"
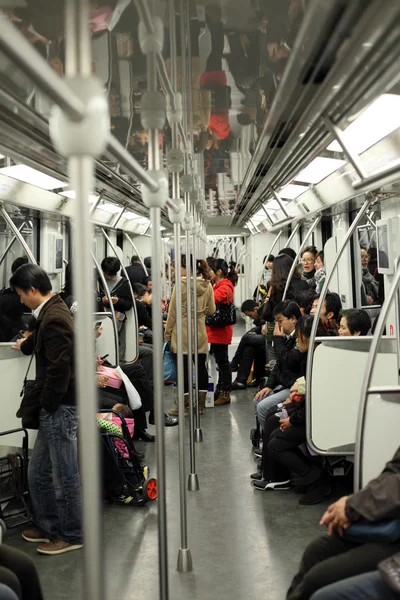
224 398
174 412
202 401
217 393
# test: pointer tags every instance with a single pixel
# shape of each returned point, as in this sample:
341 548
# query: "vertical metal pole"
81 170
198 434
156 250
184 561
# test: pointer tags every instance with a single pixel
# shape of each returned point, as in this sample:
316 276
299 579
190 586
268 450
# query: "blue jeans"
368 586
53 476
262 407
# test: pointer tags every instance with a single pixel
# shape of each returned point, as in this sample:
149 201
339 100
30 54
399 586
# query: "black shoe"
144 436
263 485
170 421
236 385
254 383
316 493
256 476
257 452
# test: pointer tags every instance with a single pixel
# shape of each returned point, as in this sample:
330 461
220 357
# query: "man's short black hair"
146 280
288 309
18 262
139 289
289 252
31 276
249 306
110 265
135 259
333 304
305 299
358 320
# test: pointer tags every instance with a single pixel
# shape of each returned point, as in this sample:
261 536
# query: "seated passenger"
368 586
354 322
289 365
282 461
320 272
147 282
330 312
305 299
331 558
142 298
251 348
119 291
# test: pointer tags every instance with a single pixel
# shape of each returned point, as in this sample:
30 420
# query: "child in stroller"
125 479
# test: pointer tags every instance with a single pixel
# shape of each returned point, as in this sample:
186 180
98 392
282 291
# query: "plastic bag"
133 395
169 363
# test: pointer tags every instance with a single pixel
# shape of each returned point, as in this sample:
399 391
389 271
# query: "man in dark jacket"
53 464
332 558
251 348
135 270
11 309
119 291
289 363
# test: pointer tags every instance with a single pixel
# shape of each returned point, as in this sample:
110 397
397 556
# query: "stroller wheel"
151 489
255 438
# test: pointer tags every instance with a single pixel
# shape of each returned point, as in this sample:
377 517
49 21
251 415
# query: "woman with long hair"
205 306
220 337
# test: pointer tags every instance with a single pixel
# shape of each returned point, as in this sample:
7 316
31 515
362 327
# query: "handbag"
29 413
387 531
225 314
169 363
390 572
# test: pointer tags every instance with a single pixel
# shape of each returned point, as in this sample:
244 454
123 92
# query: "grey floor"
244 543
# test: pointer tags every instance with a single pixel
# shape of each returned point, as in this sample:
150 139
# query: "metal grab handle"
296 260
114 249
310 354
369 369
113 315
17 234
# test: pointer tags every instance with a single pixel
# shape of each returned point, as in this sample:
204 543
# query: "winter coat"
290 362
53 344
223 294
320 276
309 278
136 273
122 291
205 306
380 498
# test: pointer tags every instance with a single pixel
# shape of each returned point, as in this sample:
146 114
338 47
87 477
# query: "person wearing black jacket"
11 309
53 465
135 270
289 364
281 459
251 348
332 557
119 291
144 319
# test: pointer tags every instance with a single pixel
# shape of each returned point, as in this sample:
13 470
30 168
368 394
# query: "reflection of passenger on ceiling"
214 78
201 98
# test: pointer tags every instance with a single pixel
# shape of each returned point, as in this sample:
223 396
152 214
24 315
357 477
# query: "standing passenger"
220 337
205 306
53 473
307 260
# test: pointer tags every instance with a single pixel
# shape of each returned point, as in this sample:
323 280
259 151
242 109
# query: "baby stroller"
125 479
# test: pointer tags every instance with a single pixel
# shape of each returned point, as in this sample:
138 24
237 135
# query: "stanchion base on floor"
184 561
193 482
198 435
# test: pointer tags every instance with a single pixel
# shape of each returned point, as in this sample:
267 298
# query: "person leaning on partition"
53 475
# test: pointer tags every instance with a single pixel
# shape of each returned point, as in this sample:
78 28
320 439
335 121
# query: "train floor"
244 543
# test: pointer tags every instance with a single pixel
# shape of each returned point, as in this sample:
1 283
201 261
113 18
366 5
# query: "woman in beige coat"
205 306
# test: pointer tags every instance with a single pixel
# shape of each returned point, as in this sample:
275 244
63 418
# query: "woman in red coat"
220 338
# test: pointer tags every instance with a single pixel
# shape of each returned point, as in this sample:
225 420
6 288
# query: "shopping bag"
133 395
169 363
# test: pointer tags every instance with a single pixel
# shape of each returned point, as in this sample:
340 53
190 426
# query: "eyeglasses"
307 260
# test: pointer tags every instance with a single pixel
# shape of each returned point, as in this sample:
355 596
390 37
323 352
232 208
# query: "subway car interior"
256 142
